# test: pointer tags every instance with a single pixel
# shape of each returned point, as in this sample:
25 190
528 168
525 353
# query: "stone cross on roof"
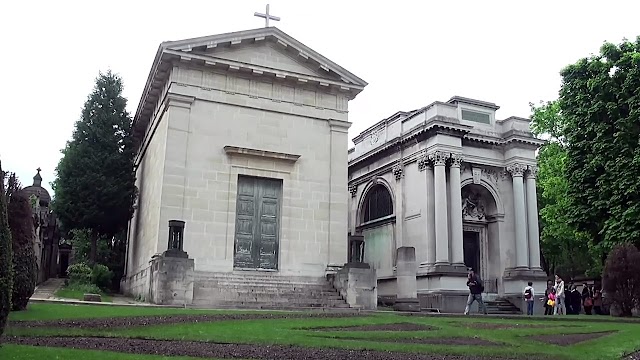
266 17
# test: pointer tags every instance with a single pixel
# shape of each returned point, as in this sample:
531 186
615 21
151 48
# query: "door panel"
257 223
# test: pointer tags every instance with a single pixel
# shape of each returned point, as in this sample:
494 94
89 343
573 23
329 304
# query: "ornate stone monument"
172 272
407 299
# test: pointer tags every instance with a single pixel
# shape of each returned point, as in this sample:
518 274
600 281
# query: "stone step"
258 278
213 295
267 288
271 305
258 282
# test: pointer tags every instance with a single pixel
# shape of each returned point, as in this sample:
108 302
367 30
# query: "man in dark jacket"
476 287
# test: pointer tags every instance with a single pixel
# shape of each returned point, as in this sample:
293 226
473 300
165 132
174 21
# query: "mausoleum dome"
37 190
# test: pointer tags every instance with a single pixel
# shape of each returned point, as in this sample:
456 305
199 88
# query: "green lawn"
626 338
66 293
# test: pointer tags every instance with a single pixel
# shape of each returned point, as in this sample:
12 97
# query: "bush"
101 276
6 258
20 218
621 278
84 288
79 273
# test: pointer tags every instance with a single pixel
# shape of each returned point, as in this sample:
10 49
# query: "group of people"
558 299
561 300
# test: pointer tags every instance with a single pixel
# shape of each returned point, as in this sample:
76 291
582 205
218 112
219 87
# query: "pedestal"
172 278
357 284
407 286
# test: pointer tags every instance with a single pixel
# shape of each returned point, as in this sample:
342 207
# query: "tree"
621 278
6 258
600 102
20 216
566 251
95 183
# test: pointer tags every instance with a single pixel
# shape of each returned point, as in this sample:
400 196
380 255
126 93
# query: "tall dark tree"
600 101
95 183
6 258
20 216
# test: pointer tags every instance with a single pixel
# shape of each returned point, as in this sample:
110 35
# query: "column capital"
397 171
532 172
456 160
439 158
353 189
424 163
517 169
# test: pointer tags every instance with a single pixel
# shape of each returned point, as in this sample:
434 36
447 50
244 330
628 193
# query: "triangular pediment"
268 48
268 54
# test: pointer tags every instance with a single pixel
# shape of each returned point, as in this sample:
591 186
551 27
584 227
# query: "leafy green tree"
20 216
95 183
566 251
621 279
6 258
600 103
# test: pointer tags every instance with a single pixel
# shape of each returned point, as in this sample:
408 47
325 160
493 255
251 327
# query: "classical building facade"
459 186
242 136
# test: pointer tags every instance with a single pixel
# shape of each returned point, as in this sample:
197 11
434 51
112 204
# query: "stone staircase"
263 291
500 306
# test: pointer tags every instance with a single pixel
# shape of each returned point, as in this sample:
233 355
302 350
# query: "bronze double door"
257 223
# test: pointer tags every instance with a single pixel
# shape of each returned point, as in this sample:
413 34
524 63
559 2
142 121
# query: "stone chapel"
459 186
242 140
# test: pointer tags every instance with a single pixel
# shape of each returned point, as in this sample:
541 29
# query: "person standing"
548 309
587 299
560 297
475 292
529 297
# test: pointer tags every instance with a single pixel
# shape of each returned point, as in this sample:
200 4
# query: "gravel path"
227 351
634 356
124 322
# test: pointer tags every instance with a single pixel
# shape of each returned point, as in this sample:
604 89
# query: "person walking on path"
475 292
529 298
560 308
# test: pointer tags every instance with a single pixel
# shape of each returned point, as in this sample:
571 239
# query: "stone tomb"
243 137
456 183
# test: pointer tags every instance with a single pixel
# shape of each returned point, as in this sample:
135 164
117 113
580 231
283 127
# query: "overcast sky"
410 52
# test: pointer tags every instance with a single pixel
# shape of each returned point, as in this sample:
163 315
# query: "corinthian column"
517 173
457 250
424 165
532 219
441 223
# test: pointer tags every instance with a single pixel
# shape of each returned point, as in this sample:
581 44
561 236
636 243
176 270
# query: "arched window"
377 204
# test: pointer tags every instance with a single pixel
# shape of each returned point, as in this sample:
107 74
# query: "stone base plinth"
445 301
357 284
411 305
172 279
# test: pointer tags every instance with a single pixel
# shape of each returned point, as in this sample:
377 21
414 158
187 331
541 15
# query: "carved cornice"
236 150
398 171
517 169
353 189
532 172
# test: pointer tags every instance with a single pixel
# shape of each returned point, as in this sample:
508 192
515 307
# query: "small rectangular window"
476 116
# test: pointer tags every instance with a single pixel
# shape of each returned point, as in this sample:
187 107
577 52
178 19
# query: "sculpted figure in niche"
472 206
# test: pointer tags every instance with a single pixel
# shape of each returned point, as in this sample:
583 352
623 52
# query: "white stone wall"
200 179
145 224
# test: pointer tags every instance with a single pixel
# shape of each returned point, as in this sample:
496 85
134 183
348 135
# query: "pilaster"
398 173
457 250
